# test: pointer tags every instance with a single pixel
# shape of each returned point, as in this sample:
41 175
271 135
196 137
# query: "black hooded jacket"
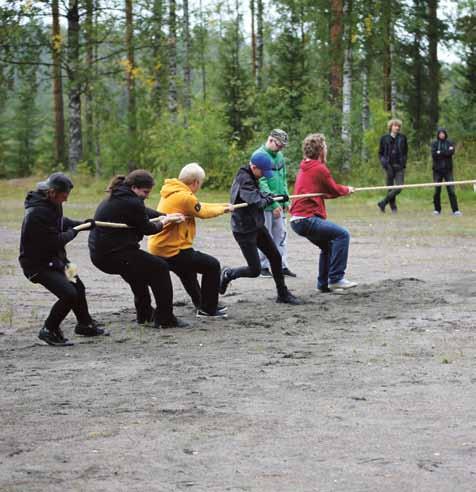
44 234
124 206
442 153
245 188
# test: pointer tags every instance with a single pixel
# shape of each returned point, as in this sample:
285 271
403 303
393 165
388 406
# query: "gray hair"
192 172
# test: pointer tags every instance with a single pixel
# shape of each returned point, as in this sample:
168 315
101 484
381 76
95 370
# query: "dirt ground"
367 391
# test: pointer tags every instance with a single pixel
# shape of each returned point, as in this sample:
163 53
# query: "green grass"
357 211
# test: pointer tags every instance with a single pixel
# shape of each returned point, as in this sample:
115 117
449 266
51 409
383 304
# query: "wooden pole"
415 185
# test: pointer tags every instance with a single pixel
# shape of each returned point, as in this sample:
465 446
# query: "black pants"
438 177
141 270
249 244
186 265
395 176
71 296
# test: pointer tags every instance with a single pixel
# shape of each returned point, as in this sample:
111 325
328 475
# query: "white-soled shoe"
342 284
435 212
457 213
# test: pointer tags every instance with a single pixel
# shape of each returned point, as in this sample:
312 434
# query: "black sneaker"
55 338
265 273
288 273
288 298
224 279
173 323
219 313
324 289
381 206
89 330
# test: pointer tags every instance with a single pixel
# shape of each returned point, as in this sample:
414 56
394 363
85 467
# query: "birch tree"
346 134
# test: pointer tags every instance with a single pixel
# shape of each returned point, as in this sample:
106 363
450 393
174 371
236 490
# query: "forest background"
100 87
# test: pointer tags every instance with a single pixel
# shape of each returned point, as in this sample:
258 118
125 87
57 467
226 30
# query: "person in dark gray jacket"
393 153
248 226
44 235
442 151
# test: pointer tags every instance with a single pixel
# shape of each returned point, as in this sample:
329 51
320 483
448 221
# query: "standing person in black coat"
44 234
249 229
442 151
393 153
117 251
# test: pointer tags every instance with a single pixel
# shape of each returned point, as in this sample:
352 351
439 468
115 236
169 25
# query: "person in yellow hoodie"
175 242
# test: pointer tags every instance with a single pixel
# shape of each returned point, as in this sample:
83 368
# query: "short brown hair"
394 121
313 145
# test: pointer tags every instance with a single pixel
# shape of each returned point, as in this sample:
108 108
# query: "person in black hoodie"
442 151
44 234
393 153
249 228
117 251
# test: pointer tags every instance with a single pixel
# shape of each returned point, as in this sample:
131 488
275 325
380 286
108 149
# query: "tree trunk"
365 108
433 66
60 144
347 88
418 100
74 91
203 47
253 41
336 49
172 99
88 107
157 62
387 54
259 44
97 127
131 93
187 97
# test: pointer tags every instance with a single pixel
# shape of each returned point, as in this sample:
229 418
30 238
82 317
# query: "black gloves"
282 198
92 222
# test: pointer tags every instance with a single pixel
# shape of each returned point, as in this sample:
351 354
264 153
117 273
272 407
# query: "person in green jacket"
275 214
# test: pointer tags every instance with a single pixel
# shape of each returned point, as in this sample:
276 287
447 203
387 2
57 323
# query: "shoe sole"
56 344
207 316
342 289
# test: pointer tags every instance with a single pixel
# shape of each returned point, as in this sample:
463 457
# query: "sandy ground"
368 391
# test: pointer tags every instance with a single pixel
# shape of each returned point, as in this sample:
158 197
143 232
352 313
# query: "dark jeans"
395 176
249 244
186 265
333 240
438 177
141 270
71 296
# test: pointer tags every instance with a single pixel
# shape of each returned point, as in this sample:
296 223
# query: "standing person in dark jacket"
117 251
249 228
393 153
45 232
309 215
442 151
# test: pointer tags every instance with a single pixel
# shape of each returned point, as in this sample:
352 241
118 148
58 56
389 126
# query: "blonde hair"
394 121
313 145
192 172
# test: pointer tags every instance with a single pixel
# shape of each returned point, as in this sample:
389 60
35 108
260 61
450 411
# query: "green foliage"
170 146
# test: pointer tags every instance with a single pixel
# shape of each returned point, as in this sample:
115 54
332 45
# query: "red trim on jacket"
314 177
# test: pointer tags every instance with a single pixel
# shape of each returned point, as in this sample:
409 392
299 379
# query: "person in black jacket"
249 228
117 251
393 153
442 151
44 234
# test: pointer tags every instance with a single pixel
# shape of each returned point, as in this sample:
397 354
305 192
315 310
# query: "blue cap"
263 161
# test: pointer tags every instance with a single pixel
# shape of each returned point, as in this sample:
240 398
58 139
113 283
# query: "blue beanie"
263 161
